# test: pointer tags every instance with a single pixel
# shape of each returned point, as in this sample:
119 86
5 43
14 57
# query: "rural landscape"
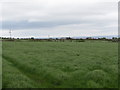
59 44
66 63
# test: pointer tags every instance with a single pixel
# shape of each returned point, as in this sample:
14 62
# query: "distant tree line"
62 39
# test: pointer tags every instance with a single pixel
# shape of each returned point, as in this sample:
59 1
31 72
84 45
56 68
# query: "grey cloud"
34 25
61 16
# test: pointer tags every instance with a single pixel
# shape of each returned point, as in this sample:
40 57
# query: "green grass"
60 64
0 65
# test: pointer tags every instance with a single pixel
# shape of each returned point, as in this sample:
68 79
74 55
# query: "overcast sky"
59 18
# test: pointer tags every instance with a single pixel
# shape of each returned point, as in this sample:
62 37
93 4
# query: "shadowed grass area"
60 64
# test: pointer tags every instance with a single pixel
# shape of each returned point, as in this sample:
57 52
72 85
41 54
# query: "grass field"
0 64
60 64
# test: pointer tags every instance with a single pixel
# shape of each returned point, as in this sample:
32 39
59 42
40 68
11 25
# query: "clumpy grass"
60 64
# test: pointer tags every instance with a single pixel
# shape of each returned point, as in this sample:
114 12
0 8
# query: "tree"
32 37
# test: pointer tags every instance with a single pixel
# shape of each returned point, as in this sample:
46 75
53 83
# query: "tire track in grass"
14 78
35 77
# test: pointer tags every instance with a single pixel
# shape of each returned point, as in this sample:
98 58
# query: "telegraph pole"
48 36
10 32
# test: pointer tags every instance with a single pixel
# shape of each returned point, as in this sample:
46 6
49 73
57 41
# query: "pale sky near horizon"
59 18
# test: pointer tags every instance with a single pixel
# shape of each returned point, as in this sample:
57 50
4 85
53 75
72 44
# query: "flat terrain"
60 64
0 64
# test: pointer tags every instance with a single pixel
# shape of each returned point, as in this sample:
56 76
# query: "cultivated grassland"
60 64
0 64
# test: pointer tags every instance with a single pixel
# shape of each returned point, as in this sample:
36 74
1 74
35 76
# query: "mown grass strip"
40 81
